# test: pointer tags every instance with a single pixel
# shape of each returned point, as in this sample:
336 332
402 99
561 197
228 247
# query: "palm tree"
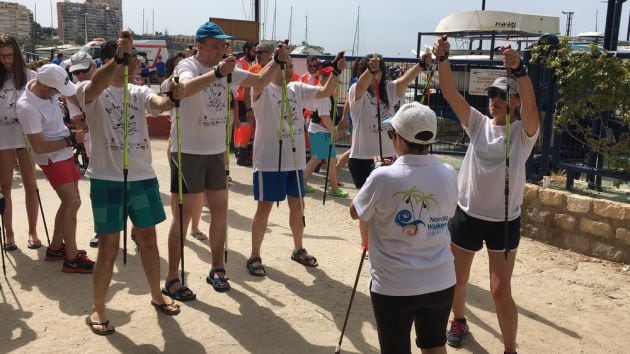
412 195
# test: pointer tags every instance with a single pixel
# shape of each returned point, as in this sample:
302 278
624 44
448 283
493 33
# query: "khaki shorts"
199 172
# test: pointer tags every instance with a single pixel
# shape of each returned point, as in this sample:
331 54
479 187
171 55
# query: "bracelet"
520 71
443 57
422 64
217 72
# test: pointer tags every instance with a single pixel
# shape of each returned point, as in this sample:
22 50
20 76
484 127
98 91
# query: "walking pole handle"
176 80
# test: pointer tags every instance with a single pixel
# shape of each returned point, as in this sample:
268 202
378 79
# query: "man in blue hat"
202 90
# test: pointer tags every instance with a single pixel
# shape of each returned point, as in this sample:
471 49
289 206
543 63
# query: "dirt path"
567 302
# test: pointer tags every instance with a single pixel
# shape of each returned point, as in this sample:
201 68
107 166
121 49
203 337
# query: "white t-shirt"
266 140
482 174
408 205
364 121
74 111
104 117
322 106
37 115
11 134
203 115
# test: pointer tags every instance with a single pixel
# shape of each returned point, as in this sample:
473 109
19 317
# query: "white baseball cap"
56 77
414 122
502 83
80 61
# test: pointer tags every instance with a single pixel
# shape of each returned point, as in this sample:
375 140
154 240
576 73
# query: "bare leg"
7 161
30 190
217 204
343 160
295 221
174 244
501 289
463 263
310 167
67 216
150 256
102 276
259 226
196 212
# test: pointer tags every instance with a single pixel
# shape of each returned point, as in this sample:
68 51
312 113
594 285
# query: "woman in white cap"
405 208
14 75
480 215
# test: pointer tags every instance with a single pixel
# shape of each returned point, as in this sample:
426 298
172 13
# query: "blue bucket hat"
210 30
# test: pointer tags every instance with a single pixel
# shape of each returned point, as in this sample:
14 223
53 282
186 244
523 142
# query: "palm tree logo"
407 219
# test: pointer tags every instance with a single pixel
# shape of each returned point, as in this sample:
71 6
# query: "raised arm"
262 79
104 75
327 90
529 111
403 81
447 82
366 78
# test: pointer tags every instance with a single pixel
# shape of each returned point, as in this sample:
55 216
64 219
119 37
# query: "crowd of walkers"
421 220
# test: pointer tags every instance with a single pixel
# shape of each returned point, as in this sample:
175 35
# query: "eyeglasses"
492 93
391 133
6 56
78 72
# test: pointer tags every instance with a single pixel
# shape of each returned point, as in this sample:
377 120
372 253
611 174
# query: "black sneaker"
82 264
94 242
55 255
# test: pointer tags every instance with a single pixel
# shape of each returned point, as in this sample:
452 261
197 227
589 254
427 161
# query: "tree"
592 84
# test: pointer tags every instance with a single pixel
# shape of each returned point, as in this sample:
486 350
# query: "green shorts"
144 205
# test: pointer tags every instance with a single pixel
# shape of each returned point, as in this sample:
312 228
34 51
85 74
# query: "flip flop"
165 308
104 331
10 246
34 244
199 235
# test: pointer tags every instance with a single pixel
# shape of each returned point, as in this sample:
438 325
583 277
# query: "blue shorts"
319 145
275 186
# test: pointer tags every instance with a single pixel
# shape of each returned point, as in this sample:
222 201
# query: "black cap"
108 50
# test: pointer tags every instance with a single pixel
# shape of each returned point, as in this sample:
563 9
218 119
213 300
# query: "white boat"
501 21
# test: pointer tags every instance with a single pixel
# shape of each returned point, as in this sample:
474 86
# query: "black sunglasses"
391 133
492 93
84 71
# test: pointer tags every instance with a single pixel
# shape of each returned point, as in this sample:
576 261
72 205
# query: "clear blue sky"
389 27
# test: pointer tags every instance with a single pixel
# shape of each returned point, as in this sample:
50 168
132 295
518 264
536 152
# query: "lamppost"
86 33
106 19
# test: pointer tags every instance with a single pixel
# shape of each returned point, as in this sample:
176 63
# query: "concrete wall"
593 227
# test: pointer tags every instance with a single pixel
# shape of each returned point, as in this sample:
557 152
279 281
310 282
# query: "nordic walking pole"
180 196
378 115
354 291
39 199
332 127
330 143
281 132
289 111
228 131
2 235
506 228
430 73
125 34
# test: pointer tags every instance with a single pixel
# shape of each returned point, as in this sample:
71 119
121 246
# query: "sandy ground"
567 302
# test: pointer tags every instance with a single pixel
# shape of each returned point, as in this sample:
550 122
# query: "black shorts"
395 315
360 169
199 173
470 233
